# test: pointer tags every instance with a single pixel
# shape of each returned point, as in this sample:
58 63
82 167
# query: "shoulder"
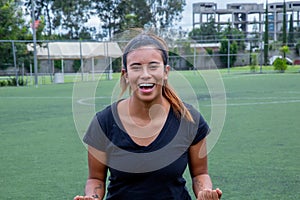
106 116
200 125
105 112
191 108
108 112
194 112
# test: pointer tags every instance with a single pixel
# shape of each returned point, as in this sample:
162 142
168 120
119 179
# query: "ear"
167 69
124 75
123 71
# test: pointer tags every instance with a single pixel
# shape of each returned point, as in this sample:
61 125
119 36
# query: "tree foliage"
233 49
42 8
266 36
66 18
280 64
284 37
207 33
291 37
284 49
12 27
108 12
165 12
234 34
119 15
233 41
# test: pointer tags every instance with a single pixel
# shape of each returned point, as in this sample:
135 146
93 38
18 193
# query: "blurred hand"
208 194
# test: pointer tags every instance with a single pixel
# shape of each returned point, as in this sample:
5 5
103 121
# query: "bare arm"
202 185
95 185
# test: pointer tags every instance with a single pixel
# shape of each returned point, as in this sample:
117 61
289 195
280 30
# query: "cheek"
132 79
163 76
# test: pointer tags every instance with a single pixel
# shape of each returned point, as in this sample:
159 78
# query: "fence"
90 58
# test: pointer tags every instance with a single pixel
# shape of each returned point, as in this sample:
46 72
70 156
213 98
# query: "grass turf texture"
256 157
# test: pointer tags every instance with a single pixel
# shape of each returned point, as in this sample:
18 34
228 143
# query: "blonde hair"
148 39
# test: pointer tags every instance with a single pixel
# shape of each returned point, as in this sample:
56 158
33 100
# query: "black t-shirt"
153 172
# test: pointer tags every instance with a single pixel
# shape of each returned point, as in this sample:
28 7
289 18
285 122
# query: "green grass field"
256 156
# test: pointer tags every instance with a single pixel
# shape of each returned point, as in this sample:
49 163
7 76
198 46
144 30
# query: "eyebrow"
152 62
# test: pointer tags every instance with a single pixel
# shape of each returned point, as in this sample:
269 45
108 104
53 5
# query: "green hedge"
13 82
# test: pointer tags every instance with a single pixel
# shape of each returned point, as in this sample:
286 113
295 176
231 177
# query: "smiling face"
146 73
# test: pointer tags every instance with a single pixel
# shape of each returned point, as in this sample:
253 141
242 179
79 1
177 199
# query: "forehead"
144 54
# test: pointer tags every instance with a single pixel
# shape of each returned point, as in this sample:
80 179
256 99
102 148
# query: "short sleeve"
200 128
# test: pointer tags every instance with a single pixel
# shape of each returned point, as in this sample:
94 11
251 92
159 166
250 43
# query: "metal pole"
105 60
228 56
23 71
110 69
93 68
15 62
34 43
261 55
81 60
108 61
49 63
30 73
194 58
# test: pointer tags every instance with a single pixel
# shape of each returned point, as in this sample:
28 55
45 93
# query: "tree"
12 27
233 49
181 55
266 36
118 15
66 17
280 64
298 48
71 16
165 12
133 14
207 32
234 34
284 49
284 38
291 39
234 40
108 11
42 8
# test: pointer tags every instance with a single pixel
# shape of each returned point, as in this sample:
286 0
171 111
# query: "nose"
145 73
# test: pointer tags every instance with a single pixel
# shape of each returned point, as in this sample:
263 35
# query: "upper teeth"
146 84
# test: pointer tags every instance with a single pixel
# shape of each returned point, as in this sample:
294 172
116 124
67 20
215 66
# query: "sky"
187 20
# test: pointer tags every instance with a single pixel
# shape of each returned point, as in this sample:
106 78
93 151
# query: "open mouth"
146 86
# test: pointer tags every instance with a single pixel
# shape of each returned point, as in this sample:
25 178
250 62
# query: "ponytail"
176 103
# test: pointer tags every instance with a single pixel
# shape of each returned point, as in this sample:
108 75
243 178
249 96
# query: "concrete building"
246 16
276 16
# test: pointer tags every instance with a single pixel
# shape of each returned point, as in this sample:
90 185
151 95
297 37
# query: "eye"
136 67
153 67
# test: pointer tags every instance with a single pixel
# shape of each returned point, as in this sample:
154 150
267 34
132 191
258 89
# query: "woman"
147 140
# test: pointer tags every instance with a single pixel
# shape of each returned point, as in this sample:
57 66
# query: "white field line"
234 76
21 98
84 101
255 103
274 100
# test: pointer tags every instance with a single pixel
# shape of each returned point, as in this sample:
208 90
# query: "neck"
148 110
